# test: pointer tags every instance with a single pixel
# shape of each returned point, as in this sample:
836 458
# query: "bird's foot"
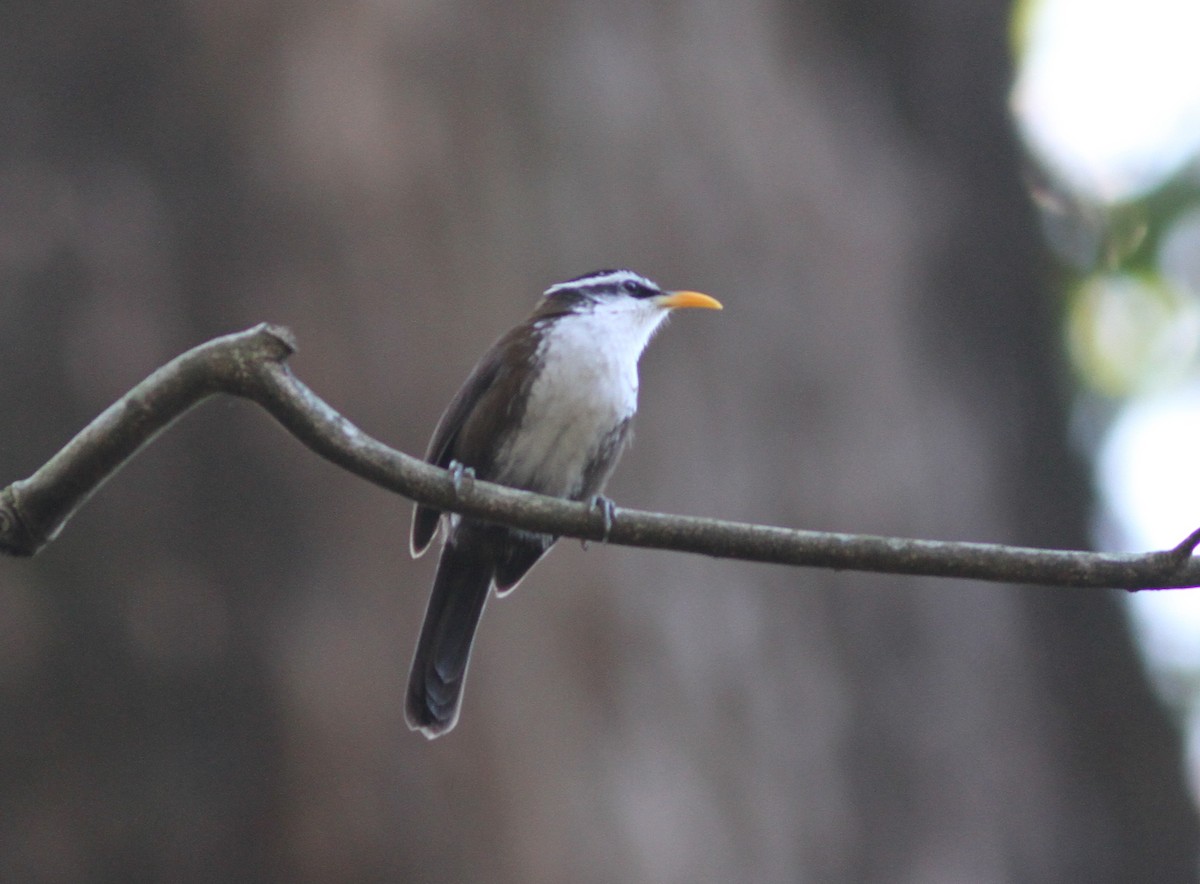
608 512
458 472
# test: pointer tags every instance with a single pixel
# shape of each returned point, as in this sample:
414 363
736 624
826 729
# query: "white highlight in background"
1149 477
1109 91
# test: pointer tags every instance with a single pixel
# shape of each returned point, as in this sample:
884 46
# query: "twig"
251 365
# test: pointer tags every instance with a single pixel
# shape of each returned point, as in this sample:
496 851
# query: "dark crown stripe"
603 280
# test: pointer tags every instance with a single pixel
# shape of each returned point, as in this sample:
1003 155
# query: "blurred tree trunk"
203 679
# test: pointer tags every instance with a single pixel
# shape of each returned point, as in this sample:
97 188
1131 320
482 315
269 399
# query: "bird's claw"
608 512
457 472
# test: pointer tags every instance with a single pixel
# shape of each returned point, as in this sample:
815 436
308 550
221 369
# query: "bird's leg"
608 512
457 472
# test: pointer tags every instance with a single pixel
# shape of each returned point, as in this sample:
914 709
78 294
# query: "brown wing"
494 384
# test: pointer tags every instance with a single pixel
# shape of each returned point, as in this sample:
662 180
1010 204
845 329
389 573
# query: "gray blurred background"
203 679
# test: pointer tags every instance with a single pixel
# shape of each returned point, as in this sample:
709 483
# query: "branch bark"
252 365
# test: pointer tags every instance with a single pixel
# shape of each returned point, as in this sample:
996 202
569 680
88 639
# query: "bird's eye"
631 287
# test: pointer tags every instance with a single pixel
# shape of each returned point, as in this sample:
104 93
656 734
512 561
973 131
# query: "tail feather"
460 590
516 554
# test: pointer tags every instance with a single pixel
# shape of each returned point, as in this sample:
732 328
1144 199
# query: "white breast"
588 385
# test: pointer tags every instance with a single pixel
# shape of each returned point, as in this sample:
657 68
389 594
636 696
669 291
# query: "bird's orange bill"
688 299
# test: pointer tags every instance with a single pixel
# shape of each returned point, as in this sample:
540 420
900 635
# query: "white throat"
586 388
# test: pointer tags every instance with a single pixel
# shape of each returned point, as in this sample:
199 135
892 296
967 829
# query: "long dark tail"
439 668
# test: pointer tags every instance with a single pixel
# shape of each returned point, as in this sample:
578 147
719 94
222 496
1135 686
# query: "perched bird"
547 409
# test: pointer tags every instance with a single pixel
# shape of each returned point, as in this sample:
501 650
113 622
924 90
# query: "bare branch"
251 365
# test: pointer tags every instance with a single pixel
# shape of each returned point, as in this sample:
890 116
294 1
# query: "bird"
548 409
